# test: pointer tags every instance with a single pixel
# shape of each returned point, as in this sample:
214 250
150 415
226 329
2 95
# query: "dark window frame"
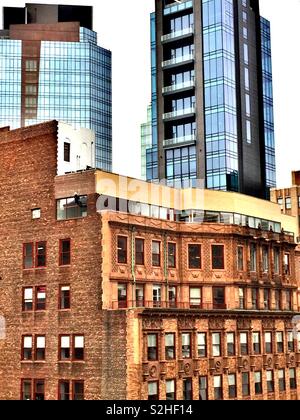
218 259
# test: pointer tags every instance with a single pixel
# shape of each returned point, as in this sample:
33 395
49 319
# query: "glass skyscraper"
146 140
56 71
212 96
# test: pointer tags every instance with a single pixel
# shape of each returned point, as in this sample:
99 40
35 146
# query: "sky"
123 28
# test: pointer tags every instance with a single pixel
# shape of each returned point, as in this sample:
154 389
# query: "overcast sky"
123 27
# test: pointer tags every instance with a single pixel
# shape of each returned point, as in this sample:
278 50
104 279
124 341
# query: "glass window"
281 380
39 390
288 203
195 297
28 299
65 252
270 381
170 390
256 343
242 298
156 292
219 298
245 384
218 389
156 254
40 298
202 345
28 256
152 347
72 208
244 344
170 346
230 344
203 388
139 295
268 343
265 256
218 257
255 299
291 343
67 152
171 255
122 296
216 345
64 391
78 391
258 383
293 381
232 386
65 347
78 349
276 261
194 257
64 297
186 346
40 347
240 258
280 343
27 348
122 250
253 259
139 251
153 391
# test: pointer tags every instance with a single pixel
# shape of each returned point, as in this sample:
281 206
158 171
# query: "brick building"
112 288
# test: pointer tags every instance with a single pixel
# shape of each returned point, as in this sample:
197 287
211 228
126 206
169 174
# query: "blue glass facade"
10 82
220 95
268 104
74 86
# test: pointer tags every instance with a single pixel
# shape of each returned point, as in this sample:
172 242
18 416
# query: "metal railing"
179 86
178 60
179 113
178 34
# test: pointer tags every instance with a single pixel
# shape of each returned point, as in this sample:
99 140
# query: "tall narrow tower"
212 96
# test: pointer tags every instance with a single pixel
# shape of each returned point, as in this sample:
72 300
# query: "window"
230 338
202 345
245 384
276 255
289 300
139 295
64 252
40 255
27 299
242 304
156 291
280 202
156 254
65 348
287 269
152 347
194 257
218 389
265 257
31 89
195 297
203 388
270 381
249 131
280 344
281 380
256 343
170 346
67 152
277 300
290 340
171 255
78 349
288 203
40 347
78 391
219 298
244 343
64 391
26 390
172 294
267 299
255 299
64 297
40 300
218 257
187 390
72 207
139 251
39 390
35 214
232 386
240 258
122 296
268 343
27 348
293 381
253 258
122 250
153 391
258 383
216 345
170 390
186 346
28 256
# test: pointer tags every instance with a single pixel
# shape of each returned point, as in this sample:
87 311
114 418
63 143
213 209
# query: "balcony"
178 61
168 305
177 35
177 7
179 87
180 141
181 113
